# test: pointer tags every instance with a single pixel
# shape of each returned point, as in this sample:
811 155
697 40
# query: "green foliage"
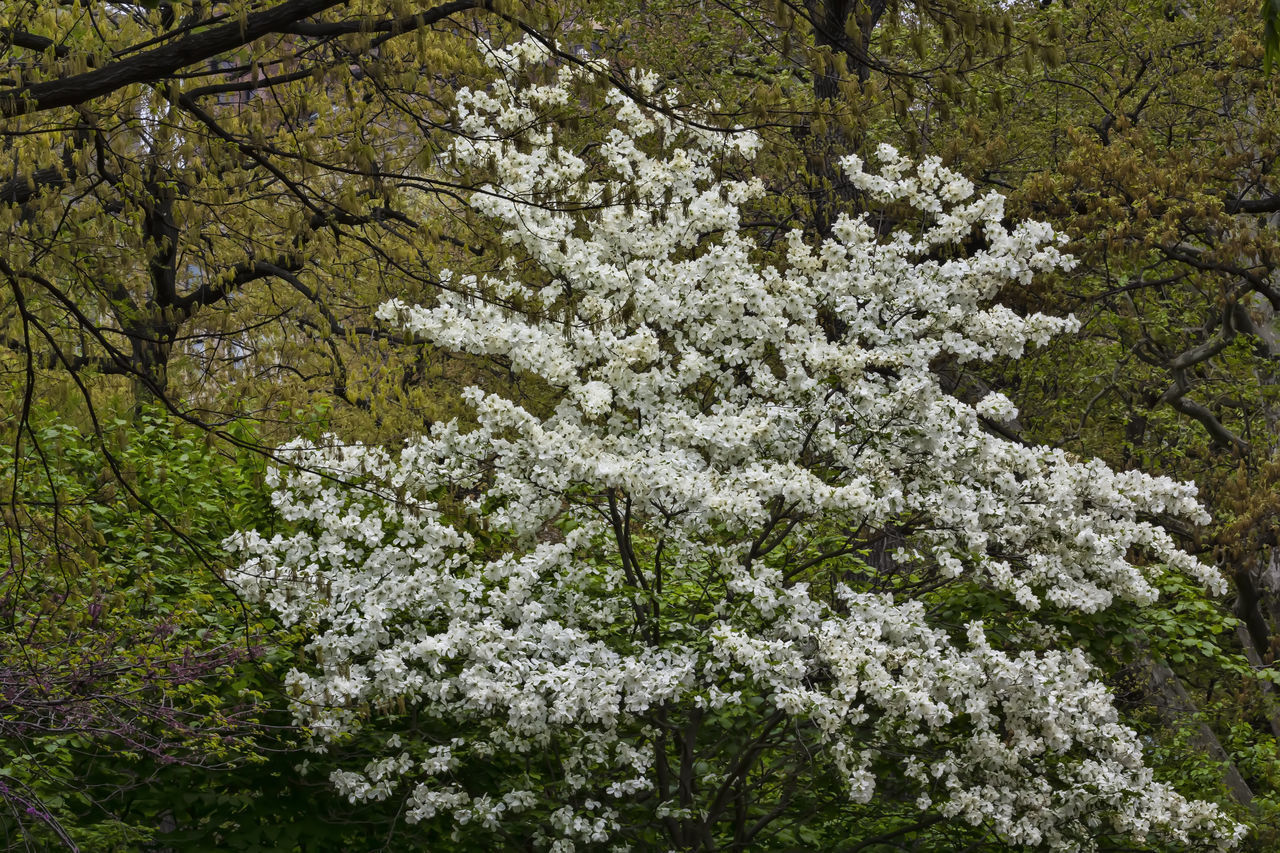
169 730
122 651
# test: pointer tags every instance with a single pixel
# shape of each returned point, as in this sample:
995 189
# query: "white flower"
997 407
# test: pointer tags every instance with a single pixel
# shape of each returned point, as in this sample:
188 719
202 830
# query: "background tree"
167 159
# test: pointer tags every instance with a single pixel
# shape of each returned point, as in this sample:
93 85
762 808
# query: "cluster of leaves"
123 652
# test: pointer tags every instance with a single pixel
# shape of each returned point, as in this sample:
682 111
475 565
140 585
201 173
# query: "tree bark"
1177 707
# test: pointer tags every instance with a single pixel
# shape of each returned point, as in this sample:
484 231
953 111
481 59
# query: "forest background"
205 203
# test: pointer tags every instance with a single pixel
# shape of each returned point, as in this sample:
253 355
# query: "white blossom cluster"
551 586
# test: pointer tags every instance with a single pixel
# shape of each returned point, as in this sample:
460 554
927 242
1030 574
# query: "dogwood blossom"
592 595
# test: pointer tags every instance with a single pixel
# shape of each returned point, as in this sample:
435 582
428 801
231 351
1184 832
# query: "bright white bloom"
998 407
753 514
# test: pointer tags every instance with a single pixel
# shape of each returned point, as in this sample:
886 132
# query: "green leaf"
1270 34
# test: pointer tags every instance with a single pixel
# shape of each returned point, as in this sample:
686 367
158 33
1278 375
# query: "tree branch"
154 65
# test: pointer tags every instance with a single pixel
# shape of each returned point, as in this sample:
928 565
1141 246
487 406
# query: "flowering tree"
650 601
